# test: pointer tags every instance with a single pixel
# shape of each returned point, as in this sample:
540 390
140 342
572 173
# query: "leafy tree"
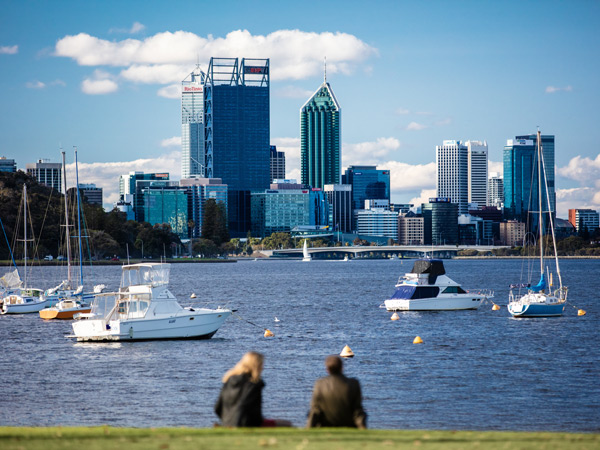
102 244
214 222
277 240
204 247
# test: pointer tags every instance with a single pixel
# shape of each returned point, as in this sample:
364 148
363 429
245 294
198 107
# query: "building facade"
193 161
199 190
440 222
7 165
377 222
478 172
46 173
452 180
584 219
320 138
132 185
410 229
368 183
236 105
495 190
90 194
512 232
277 160
167 204
339 197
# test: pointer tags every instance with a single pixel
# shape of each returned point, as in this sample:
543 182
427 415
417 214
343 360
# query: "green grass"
103 438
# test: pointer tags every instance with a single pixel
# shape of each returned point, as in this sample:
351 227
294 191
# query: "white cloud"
9 50
171 91
293 92
155 74
586 171
294 54
414 126
368 152
554 89
423 197
106 175
137 27
575 198
582 169
291 147
35 85
100 83
495 166
443 122
174 141
402 111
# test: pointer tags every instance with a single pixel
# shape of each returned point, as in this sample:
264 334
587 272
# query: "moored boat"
428 288
145 309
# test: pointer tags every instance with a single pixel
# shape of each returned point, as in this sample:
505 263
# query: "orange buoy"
395 316
347 352
581 312
418 340
495 307
269 333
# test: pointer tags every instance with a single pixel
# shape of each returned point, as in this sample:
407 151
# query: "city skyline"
107 78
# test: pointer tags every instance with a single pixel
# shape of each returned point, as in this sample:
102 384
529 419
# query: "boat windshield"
145 275
120 306
103 305
415 292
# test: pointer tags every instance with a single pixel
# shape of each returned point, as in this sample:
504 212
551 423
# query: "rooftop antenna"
325 69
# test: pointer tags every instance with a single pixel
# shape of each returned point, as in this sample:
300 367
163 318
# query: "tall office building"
277 164
7 165
46 173
521 178
410 229
368 183
192 124
452 161
236 106
478 172
495 190
167 204
339 197
130 189
90 194
440 222
320 138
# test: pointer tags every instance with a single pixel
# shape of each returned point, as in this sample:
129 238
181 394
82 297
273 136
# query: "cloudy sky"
105 76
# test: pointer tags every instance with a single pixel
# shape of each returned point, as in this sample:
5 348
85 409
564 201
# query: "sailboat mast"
25 233
68 237
79 221
539 164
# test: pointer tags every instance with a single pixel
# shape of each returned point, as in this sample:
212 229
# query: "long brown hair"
251 363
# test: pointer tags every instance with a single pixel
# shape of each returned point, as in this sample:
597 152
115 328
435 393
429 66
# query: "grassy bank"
102 438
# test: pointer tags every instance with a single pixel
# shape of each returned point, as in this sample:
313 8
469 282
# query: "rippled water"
479 370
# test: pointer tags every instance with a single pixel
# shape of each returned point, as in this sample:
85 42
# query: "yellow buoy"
418 340
580 312
193 296
395 316
347 352
268 333
495 307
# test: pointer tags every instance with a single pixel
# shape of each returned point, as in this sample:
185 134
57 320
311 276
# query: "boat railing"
487 293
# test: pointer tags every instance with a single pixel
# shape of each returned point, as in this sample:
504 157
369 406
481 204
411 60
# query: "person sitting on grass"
336 399
240 401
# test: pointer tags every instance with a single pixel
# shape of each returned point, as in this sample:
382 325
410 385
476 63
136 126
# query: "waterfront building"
200 190
133 183
584 219
192 124
339 197
377 222
473 230
521 178
320 138
277 164
90 194
281 210
46 173
495 190
167 204
410 228
512 232
367 182
440 222
452 180
7 165
478 172
236 104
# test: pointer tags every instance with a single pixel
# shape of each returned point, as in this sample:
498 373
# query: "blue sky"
104 76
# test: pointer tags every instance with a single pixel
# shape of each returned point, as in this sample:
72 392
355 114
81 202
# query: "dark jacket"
337 402
240 402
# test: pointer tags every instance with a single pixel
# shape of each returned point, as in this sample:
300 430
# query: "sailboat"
25 299
541 300
10 281
305 255
72 301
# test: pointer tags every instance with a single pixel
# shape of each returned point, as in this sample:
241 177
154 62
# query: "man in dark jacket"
336 399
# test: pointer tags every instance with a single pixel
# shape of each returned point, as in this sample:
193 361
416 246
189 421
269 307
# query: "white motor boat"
428 288
145 309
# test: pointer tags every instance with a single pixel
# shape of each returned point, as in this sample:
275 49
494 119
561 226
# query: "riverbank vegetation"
101 438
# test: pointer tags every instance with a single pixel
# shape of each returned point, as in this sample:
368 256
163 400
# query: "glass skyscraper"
320 138
192 124
440 222
167 205
236 105
368 183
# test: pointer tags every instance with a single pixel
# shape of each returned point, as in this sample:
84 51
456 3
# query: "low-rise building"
512 233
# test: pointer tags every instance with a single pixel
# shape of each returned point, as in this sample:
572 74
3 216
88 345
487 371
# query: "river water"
477 370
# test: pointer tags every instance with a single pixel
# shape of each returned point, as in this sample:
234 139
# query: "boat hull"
64 314
441 303
27 307
185 326
518 309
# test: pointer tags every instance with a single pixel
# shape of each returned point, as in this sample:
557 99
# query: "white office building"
478 172
495 190
46 173
192 124
452 181
377 222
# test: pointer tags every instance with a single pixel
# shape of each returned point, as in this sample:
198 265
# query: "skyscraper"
320 138
131 185
339 197
192 124
495 190
46 173
478 172
200 190
277 164
440 222
368 183
452 161
236 104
